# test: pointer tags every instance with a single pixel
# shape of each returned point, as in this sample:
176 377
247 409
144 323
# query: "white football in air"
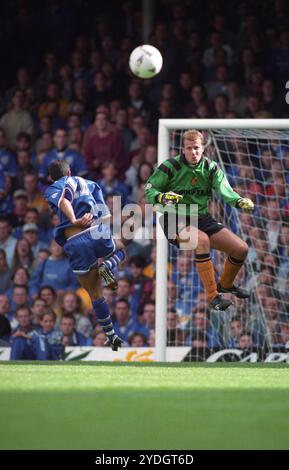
145 61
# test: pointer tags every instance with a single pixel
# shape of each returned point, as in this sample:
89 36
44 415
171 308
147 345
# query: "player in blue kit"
84 232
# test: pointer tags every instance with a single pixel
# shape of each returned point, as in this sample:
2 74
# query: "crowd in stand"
76 99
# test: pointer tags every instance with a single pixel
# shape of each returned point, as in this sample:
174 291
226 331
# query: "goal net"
254 154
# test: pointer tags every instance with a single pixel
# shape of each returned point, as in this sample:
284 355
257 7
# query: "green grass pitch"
144 406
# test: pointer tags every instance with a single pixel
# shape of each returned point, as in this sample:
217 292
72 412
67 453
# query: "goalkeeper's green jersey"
194 182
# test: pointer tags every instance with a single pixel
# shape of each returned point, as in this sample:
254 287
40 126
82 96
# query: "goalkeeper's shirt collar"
185 162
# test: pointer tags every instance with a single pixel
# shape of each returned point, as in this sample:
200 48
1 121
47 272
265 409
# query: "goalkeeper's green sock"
231 269
206 272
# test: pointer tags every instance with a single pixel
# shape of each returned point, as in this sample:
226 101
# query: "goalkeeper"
189 178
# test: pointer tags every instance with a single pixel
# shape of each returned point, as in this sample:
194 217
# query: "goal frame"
165 125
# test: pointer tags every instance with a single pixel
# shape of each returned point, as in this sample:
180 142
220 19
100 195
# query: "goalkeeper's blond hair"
193 134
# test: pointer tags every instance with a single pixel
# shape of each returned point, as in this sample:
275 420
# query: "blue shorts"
84 248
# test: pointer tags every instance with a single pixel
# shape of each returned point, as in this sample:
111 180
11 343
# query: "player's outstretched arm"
68 211
222 186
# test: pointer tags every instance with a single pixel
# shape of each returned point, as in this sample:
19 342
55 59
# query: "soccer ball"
145 61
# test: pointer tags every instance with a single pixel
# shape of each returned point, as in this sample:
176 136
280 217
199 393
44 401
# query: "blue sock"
103 316
115 259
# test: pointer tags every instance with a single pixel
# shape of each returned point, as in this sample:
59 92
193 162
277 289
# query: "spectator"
49 74
141 285
19 298
81 92
273 314
53 345
7 242
17 119
219 86
62 152
48 294
100 93
150 155
144 171
7 158
185 276
54 272
79 71
273 225
136 98
98 339
235 332
66 82
202 326
24 162
184 88
75 139
121 124
216 43
23 255
253 106
20 277
35 197
43 254
32 217
124 325
109 183
5 273
23 81
21 340
237 102
248 65
38 308
164 111
283 253
101 144
5 332
221 106
43 344
147 318
150 270
245 341
198 98
31 235
24 320
71 337
199 340
137 340
71 305
175 336
5 309
20 202
53 93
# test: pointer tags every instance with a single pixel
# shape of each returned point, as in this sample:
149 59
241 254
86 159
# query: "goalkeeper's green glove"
169 198
246 204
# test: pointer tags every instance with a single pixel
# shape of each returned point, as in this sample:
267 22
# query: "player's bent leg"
108 265
237 249
92 283
206 272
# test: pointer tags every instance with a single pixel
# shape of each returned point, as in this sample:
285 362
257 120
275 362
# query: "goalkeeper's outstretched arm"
222 186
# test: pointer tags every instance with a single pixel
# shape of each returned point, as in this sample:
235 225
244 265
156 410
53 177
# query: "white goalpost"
240 147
